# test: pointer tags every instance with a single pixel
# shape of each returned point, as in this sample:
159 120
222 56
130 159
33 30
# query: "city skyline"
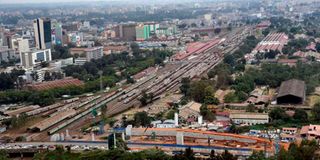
47 1
68 1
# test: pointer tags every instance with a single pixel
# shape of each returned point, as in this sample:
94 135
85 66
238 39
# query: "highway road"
90 145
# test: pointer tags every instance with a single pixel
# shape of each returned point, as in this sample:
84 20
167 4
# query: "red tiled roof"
312 47
225 114
264 24
273 41
196 48
287 61
311 129
56 84
115 48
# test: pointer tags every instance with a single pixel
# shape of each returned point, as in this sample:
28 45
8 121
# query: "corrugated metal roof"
292 87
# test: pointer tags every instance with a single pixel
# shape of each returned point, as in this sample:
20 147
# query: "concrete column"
92 137
114 140
179 138
200 120
123 137
176 119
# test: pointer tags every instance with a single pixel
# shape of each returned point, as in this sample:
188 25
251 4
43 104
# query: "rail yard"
61 115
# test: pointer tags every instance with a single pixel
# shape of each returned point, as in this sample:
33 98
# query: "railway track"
156 85
161 85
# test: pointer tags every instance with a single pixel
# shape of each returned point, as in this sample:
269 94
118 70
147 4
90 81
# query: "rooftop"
292 87
249 115
311 129
68 81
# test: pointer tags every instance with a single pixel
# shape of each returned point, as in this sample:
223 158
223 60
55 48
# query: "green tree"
250 108
60 52
316 111
135 49
188 154
300 115
229 59
228 156
207 114
141 119
130 80
278 114
170 114
4 155
257 156
266 32
185 86
318 47
200 89
212 155
211 100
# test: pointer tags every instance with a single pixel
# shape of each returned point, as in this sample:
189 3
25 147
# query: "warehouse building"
292 91
249 118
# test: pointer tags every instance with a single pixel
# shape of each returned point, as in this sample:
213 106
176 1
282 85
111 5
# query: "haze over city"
160 79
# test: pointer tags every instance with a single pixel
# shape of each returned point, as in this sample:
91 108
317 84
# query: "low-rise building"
310 132
55 84
190 111
292 92
58 64
80 61
272 42
114 49
169 123
289 130
7 54
88 53
35 57
249 118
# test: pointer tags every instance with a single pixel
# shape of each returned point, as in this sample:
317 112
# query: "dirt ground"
22 130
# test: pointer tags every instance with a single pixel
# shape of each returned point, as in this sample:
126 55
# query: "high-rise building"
142 32
153 26
35 57
56 31
126 32
166 31
75 38
42 32
1 36
7 39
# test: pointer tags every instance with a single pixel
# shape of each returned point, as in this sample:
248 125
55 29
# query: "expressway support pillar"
21 155
179 138
123 137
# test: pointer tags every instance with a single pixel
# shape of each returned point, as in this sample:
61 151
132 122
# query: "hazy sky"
46 1
57 1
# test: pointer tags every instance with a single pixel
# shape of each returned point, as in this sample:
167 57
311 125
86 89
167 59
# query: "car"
197 154
52 148
86 148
